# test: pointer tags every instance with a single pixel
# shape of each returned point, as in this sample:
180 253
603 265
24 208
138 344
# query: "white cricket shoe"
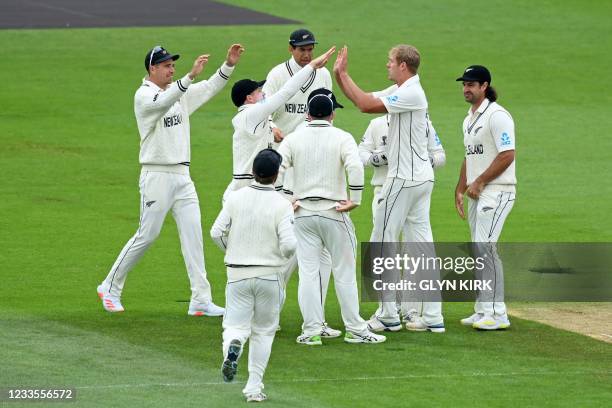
419 325
230 364
365 337
309 340
488 322
259 397
377 325
101 291
112 304
204 309
329 333
468 321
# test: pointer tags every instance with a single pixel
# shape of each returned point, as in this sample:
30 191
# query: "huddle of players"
284 140
311 165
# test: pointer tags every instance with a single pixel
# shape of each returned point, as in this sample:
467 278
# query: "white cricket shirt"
407 138
163 116
375 140
321 156
252 131
255 229
294 111
487 132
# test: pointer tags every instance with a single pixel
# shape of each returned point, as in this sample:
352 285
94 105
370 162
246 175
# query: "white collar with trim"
485 103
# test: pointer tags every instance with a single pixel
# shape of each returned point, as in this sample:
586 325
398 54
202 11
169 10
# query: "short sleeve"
405 99
502 131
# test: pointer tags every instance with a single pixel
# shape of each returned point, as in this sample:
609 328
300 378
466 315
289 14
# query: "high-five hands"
321 60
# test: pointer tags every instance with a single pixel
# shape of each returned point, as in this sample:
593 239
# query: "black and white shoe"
230 365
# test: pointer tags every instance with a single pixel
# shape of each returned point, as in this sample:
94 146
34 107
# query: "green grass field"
69 201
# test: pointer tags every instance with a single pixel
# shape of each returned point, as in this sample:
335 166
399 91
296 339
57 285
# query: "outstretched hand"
341 64
321 60
233 54
198 65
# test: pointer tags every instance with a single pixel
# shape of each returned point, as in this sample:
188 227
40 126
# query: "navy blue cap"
266 163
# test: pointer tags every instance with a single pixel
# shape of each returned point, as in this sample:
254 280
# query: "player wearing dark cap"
292 114
162 109
487 177
255 230
252 130
321 157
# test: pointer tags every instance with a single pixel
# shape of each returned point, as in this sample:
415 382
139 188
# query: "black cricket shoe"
230 365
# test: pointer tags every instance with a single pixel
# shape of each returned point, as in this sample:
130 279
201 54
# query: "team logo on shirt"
474 149
392 98
505 139
384 140
173 120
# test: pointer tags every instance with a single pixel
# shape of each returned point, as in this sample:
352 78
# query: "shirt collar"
295 67
412 80
483 106
150 84
259 186
318 123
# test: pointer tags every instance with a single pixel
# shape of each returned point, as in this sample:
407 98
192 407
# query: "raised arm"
366 102
201 92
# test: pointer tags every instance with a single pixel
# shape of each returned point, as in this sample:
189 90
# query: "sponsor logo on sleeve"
505 139
392 98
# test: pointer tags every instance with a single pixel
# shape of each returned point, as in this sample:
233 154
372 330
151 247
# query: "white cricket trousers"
252 309
161 192
329 229
325 270
486 217
406 306
404 206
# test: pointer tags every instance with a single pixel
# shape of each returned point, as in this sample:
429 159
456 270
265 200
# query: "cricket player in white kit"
488 178
406 192
373 152
289 116
321 156
162 108
252 129
255 229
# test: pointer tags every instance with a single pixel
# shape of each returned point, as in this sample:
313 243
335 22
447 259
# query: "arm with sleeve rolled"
221 227
260 112
286 235
354 168
437 156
